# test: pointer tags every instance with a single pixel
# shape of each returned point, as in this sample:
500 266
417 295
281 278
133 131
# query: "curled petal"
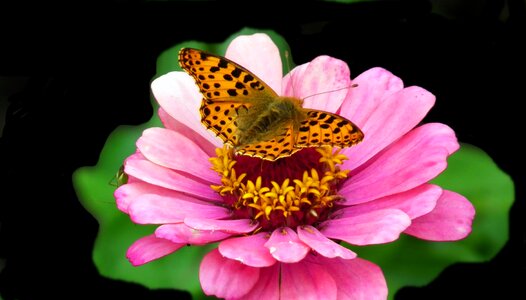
370 89
170 179
285 246
374 227
319 92
179 96
321 244
230 226
416 158
249 250
159 209
292 80
135 156
248 50
306 281
415 202
391 119
180 233
149 248
175 125
126 193
226 278
450 220
356 279
173 150
268 284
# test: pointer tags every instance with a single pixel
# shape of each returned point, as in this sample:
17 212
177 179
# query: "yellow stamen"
308 194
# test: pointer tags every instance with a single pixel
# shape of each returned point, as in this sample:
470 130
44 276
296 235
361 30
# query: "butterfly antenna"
336 90
289 67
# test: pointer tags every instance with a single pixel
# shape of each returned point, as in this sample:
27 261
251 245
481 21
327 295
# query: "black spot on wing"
236 72
342 123
248 78
222 64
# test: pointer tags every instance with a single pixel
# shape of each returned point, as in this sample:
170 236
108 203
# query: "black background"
73 72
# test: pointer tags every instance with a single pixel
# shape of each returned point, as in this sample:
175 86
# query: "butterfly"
247 114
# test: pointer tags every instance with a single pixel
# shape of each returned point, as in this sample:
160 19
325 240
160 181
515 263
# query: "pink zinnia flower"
280 225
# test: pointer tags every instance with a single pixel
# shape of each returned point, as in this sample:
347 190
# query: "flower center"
296 190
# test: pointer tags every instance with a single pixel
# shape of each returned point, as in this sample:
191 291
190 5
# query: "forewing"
228 90
221 79
220 118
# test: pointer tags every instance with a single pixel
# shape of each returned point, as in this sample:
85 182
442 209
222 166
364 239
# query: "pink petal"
159 209
175 125
321 244
268 285
179 96
170 179
285 246
135 156
171 123
450 220
356 279
180 233
391 119
306 281
132 179
292 80
372 87
230 226
226 278
374 227
149 248
249 250
416 158
415 202
258 54
173 150
125 194
325 92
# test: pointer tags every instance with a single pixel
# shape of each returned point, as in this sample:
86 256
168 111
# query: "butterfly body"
265 120
248 115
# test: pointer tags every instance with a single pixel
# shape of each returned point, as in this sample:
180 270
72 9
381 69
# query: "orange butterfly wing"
323 128
229 90
282 145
